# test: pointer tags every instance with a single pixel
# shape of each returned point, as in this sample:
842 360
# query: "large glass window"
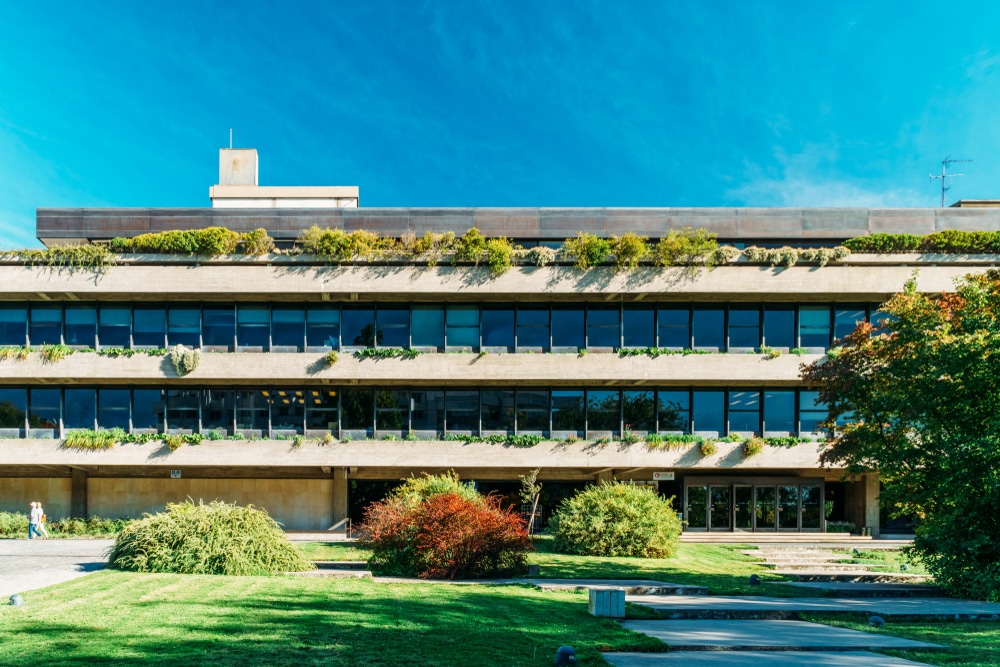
708 328
779 411
13 325
358 327
81 325
533 327
744 411
603 411
393 326
462 411
462 326
252 410
149 327
673 411
674 327
288 328
427 328
113 407
219 327
498 326
845 319
13 407
115 326
322 409
811 412
532 410
744 327
184 326
253 326
568 413
217 410
814 326
392 410
358 409
323 327
709 412
80 408
603 326
287 410
46 325
498 410
43 408
639 411
427 410
147 409
779 326
182 409
567 327
637 327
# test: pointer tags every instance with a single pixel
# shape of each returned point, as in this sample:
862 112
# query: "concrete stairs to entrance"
809 563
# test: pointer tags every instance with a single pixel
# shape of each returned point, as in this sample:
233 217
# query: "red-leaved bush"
445 536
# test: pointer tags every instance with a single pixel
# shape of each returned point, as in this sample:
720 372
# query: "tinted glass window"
674 327
113 407
323 326
779 411
673 410
498 410
13 325
845 319
744 328
358 409
149 327
779 326
709 411
603 411
115 326
184 327
811 411
393 326
533 327
463 326
219 329
217 410
81 326
392 410
252 408
357 327
288 327
46 325
428 326
603 326
182 408
708 328
532 410
253 326
287 410
568 410
462 410
13 407
498 327
744 411
322 408
639 411
637 327
43 408
567 327
427 411
814 326
147 409
80 408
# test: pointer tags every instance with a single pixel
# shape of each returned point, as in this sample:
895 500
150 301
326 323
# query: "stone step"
340 564
335 574
630 586
861 577
844 589
818 567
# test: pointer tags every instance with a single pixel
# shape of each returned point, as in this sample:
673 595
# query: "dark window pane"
358 409
358 327
13 407
219 326
498 327
779 411
287 410
567 327
637 327
252 409
603 411
184 327
323 326
532 410
709 411
13 325
288 327
568 410
427 413
811 411
428 326
322 407
845 319
113 407
708 328
149 328
393 326
80 409
462 410
639 411
43 408
814 326
81 325
392 410
253 326
498 410
462 326
115 326
603 326
744 328
533 326
673 410
744 411
147 409
182 409
217 409
779 326
674 326
46 325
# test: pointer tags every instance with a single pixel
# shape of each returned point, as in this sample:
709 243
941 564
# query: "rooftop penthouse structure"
313 381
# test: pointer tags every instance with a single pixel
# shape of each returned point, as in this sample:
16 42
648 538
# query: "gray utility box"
607 602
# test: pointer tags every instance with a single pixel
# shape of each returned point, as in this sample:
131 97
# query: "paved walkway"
29 564
743 658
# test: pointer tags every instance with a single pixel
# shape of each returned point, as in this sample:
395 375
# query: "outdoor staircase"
815 564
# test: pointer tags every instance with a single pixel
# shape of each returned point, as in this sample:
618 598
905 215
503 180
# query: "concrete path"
740 607
743 658
860 589
792 636
29 564
640 587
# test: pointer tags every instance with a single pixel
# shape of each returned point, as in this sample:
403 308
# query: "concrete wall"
52 492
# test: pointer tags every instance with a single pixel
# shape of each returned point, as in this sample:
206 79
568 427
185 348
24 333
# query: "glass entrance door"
719 513
697 507
765 509
788 508
742 507
811 507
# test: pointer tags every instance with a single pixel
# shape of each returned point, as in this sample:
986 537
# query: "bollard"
16 600
534 570
565 656
754 580
607 602
876 622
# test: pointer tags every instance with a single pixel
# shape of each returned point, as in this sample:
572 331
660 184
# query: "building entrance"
754 506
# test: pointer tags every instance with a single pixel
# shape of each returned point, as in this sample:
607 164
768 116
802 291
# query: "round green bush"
213 538
615 519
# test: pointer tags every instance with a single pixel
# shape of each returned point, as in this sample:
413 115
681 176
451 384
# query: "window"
845 319
427 410
779 411
708 328
498 327
673 411
567 327
639 411
814 326
288 328
322 410
709 412
744 411
603 411
79 408
358 327
461 411
744 328
81 326
462 326
149 328
358 410
392 410
182 409
46 325
532 410
568 410
113 407
252 410
13 325
811 412
674 327
147 409
498 410
779 326
427 328
13 407
323 327
603 326
253 327
219 327
637 327
287 410
217 410
115 326
184 326
533 327
43 408
393 326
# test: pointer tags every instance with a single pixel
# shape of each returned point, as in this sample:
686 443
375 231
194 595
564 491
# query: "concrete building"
537 351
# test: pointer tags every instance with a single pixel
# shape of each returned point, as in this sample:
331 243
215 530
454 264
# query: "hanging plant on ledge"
184 359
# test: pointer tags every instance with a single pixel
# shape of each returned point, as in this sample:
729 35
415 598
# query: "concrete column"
604 476
871 485
78 494
340 515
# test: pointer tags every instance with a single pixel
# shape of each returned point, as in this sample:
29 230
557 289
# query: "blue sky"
662 103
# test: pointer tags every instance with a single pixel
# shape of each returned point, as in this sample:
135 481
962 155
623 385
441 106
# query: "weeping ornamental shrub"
616 519
213 538
436 527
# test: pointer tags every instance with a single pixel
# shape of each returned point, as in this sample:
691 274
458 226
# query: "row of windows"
428 412
538 327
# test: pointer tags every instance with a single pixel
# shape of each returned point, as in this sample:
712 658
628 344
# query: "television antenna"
944 176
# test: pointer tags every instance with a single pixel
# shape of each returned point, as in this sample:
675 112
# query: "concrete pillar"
340 515
871 485
604 476
78 494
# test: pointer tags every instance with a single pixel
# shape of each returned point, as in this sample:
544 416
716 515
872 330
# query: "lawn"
115 618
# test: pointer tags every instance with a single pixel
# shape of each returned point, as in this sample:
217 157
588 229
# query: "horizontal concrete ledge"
406 454
601 369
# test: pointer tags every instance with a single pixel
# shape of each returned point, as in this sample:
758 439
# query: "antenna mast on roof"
945 176
230 138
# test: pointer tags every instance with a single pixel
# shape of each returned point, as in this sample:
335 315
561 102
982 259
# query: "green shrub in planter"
615 519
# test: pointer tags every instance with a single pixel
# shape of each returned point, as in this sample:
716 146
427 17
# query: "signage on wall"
175 474
663 476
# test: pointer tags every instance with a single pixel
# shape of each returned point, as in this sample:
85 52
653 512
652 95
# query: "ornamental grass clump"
213 538
617 519
587 250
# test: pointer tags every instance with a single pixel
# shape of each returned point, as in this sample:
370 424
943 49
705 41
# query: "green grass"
113 618
973 644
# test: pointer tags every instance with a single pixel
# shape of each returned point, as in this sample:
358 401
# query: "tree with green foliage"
917 399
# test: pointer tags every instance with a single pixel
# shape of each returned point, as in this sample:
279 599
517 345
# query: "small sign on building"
175 474
663 476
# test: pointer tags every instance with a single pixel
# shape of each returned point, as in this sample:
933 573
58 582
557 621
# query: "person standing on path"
34 520
41 520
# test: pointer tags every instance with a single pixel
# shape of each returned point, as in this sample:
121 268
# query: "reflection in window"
709 412
323 327
288 327
287 410
708 328
322 410
533 327
43 408
427 326
567 327
46 325
603 326
392 410
253 326
532 410
358 409
13 325
639 411
673 411
81 326
182 409
462 410
498 410
80 408
219 326
603 411
779 411
498 327
744 411
13 407
149 328
114 326
462 326
357 327
744 328
814 326
674 327
568 410
637 327
217 410
252 409
113 407
427 410
393 326
184 326
147 409
811 412
846 319
779 326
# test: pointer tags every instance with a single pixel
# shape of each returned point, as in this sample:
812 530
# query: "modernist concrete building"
539 350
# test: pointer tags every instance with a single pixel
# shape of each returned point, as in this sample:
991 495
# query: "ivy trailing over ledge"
498 439
89 439
659 351
387 353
